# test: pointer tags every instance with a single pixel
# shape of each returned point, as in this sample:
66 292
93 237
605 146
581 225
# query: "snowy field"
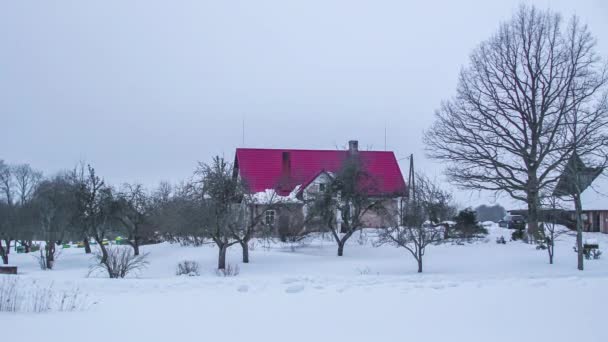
476 292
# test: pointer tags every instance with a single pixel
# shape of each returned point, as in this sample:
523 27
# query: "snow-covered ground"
475 292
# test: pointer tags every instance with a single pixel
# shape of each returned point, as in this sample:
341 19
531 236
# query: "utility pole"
385 136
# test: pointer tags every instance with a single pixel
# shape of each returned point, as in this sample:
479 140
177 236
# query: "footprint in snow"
295 289
243 288
289 280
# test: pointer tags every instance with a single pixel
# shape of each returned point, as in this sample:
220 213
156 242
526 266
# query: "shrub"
229 271
467 228
518 234
501 240
120 262
188 267
590 253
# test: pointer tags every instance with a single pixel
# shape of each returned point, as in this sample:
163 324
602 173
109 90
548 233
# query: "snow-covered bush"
229 271
120 262
17 296
501 240
188 267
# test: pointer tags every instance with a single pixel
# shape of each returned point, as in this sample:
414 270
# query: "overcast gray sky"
145 89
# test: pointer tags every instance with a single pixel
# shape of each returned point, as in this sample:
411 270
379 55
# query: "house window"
321 187
269 219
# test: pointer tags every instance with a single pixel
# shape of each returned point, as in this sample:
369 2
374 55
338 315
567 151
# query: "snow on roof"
593 198
270 196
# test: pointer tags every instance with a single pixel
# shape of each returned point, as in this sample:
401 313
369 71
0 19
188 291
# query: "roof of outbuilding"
261 169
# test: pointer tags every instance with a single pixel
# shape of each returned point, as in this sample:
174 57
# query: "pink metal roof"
264 168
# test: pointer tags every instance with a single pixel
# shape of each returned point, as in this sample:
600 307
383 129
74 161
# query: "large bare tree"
506 129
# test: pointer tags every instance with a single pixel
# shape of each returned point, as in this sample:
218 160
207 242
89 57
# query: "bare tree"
55 209
248 218
506 128
344 202
552 227
133 211
7 214
5 231
97 206
176 213
421 226
218 195
26 180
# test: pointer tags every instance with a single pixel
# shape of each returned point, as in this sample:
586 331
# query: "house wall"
386 219
569 218
596 221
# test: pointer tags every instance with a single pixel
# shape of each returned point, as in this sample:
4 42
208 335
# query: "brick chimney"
353 146
285 171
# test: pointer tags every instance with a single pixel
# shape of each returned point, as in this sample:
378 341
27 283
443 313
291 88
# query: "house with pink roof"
296 173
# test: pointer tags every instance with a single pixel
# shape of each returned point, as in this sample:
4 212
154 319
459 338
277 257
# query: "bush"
188 267
120 262
590 253
518 234
229 271
501 240
466 227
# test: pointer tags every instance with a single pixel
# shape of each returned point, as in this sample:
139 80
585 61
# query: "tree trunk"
50 254
419 259
8 246
135 246
27 245
104 251
533 214
87 246
3 254
221 262
341 248
245 247
579 231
